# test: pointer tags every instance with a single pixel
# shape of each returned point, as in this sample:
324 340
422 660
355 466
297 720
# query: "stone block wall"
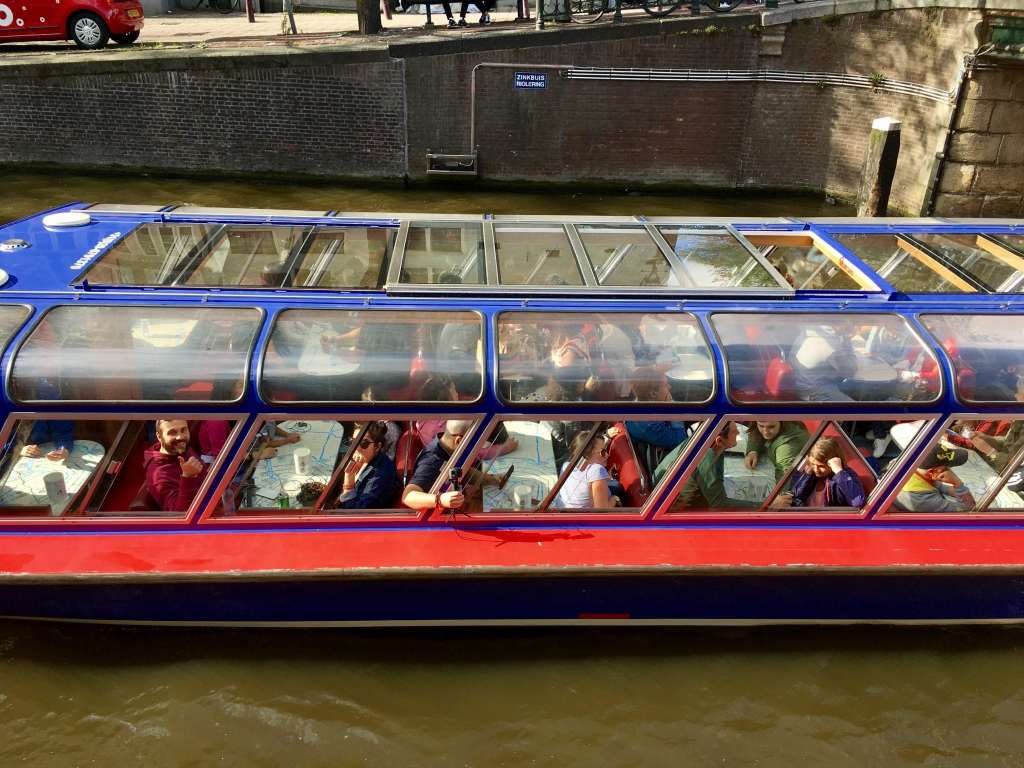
984 172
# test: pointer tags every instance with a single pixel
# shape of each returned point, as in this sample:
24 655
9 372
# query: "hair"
450 278
454 427
370 394
647 384
158 422
436 387
582 441
377 432
826 448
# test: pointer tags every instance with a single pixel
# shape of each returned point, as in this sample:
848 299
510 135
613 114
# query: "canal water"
106 696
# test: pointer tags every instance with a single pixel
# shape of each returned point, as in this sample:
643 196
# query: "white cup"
56 491
523 495
301 459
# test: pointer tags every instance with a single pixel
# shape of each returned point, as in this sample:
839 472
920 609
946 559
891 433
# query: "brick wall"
984 175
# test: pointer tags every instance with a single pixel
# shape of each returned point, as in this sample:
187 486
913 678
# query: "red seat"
143 501
407 449
197 390
778 381
622 458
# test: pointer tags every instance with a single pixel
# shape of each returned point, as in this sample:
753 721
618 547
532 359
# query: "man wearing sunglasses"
370 480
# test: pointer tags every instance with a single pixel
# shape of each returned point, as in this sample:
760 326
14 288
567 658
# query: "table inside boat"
273 475
748 484
535 472
979 478
26 485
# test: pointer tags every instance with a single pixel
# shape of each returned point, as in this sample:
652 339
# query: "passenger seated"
59 432
821 357
174 471
212 435
587 487
565 384
934 487
431 461
824 481
370 480
706 487
999 450
780 442
652 386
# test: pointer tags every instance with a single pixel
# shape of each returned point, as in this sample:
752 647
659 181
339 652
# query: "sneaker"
462 22
452 24
485 18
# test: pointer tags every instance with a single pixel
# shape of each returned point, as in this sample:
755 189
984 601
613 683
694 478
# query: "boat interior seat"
143 500
197 390
407 449
623 459
779 382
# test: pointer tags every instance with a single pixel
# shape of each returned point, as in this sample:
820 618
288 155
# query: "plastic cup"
56 491
523 495
301 459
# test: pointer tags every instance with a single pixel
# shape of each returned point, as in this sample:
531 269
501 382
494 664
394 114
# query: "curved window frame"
885 506
965 401
589 404
874 404
8 378
270 403
872 504
30 311
188 518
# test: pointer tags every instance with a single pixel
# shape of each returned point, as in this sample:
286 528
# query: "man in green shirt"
780 442
706 487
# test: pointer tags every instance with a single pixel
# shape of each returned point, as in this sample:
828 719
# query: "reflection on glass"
807 268
350 257
625 255
247 256
11 318
374 356
987 352
612 357
150 354
444 252
152 254
965 252
92 467
535 254
825 358
906 273
716 259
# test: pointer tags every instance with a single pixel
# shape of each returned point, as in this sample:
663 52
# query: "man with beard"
174 471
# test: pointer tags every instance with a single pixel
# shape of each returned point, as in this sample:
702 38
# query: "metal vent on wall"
451 165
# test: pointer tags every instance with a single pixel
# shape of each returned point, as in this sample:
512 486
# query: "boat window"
807 264
329 356
551 357
11 319
535 254
438 253
906 266
715 258
71 468
786 466
984 260
86 353
973 466
251 256
624 255
987 352
577 466
825 358
152 254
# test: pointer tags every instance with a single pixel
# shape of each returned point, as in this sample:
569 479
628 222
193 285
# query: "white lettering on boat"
95 251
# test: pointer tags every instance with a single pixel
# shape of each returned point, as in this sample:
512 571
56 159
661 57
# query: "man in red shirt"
174 471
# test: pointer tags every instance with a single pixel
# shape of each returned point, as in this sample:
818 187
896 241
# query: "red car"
90 23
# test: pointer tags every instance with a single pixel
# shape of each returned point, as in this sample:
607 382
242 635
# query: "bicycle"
589 11
223 6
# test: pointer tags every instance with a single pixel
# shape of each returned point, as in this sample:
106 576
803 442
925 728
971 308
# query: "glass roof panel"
716 259
886 256
349 257
968 252
245 256
807 268
437 253
625 255
535 254
152 254
11 318
333 356
987 352
85 353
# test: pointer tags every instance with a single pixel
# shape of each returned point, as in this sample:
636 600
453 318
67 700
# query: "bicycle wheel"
587 11
224 6
722 6
659 8
188 5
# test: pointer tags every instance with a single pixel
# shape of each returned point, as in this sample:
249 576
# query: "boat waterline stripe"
762 76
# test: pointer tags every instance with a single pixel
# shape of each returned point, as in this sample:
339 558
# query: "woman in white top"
587 484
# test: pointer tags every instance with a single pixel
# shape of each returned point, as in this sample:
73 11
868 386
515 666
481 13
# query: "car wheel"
126 39
88 30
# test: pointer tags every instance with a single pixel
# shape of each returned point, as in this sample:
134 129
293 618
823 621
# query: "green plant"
877 79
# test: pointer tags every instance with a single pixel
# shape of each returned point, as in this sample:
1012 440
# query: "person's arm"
786 454
801 488
374 494
415 497
63 433
850 487
602 497
663 434
175 494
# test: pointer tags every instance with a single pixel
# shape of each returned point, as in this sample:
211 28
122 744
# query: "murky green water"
102 696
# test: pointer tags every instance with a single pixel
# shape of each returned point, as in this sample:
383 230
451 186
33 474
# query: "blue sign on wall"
531 80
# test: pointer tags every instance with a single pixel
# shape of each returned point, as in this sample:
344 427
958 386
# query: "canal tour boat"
321 418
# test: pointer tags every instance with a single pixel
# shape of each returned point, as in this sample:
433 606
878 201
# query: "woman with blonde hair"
587 486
